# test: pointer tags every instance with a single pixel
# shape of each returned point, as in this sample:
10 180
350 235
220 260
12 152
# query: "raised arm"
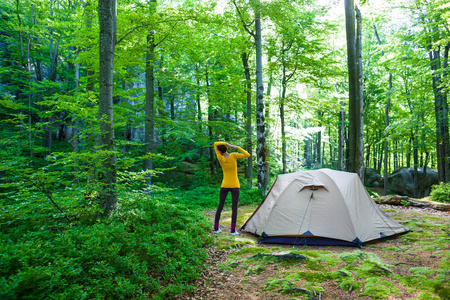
243 154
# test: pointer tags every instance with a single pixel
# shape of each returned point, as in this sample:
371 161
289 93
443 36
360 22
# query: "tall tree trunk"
283 130
149 127
359 160
197 99
53 54
284 81
248 119
416 163
356 141
319 149
108 172
386 135
172 107
210 119
260 128
386 118
341 154
88 14
441 112
267 119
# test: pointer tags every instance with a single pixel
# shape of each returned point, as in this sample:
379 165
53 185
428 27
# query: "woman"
230 182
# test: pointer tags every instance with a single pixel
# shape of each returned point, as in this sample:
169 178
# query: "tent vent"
382 235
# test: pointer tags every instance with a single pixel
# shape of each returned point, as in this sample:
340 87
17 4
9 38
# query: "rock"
372 178
401 181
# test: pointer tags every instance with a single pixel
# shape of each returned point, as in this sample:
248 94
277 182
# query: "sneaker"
234 233
217 231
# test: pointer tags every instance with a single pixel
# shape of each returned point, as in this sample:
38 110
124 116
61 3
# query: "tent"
320 207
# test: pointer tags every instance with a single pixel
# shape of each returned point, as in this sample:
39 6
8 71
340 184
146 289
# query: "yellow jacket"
229 166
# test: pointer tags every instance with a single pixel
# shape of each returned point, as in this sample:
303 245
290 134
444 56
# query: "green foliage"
207 197
147 248
441 192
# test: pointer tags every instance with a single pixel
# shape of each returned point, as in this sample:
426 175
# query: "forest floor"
414 265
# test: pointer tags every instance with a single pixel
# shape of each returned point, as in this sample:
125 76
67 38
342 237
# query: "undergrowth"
148 248
207 197
441 192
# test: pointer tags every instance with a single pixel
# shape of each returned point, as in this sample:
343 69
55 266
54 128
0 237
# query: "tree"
149 127
248 121
260 126
108 172
354 63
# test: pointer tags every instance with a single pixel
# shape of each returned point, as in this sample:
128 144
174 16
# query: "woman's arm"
243 154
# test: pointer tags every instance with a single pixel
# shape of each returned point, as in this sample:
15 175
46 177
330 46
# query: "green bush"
441 192
146 249
207 197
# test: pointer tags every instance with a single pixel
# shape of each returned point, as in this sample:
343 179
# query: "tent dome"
320 207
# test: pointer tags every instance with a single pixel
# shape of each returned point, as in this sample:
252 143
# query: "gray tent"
320 207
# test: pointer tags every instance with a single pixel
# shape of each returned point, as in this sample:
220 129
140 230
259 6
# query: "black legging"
234 203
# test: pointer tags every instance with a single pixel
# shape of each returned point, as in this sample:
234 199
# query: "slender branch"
172 30
288 77
39 185
246 26
147 25
131 31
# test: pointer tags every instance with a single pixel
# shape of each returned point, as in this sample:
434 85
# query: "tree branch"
39 185
147 25
243 22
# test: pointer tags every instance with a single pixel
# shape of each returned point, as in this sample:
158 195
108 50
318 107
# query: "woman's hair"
222 148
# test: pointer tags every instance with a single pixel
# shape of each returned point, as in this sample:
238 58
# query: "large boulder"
401 181
372 178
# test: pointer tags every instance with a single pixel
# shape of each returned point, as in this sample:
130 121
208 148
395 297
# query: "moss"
312 253
278 284
254 271
350 284
350 257
377 289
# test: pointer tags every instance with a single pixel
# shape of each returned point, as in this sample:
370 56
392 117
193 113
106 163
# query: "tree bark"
197 99
210 119
248 119
386 135
260 128
359 160
341 159
283 130
441 112
108 172
149 127
267 118
356 141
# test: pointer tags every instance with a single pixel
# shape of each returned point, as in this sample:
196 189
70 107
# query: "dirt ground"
401 253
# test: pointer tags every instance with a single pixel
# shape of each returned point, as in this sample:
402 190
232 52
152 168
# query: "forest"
109 111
